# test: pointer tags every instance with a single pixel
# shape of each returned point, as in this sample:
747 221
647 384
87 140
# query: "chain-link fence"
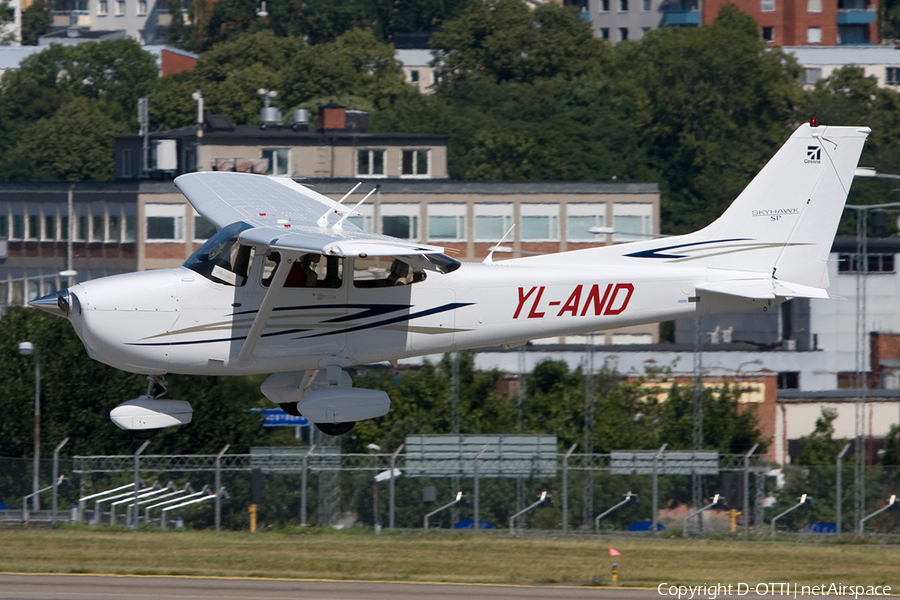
326 488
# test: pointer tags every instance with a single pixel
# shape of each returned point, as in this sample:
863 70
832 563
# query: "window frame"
176 211
370 154
483 209
403 209
540 210
458 212
643 210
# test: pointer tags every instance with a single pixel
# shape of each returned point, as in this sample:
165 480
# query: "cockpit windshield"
222 258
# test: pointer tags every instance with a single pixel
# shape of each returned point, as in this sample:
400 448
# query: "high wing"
285 215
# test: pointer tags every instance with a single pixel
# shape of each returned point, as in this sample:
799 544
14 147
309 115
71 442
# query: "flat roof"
455 186
242 134
843 395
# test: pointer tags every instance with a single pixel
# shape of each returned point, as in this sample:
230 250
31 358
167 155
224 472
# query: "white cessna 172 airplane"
288 286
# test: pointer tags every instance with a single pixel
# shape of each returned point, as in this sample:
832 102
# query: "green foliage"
35 22
892 447
6 17
818 447
504 40
59 109
710 106
75 144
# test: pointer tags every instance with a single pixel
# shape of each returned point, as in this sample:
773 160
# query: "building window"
165 222
492 221
814 35
811 75
540 222
644 31
18 227
279 160
34 227
768 34
623 34
814 6
142 8
604 5
892 76
646 5
203 229
604 33
414 162
414 76
623 5
114 223
631 221
98 229
400 221
877 263
788 380
579 220
49 227
64 227
120 8
103 7
767 5
130 223
370 162
447 222
125 166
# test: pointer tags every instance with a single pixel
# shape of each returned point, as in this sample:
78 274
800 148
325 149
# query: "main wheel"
290 408
143 434
335 428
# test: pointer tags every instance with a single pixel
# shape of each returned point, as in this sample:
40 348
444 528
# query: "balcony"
681 17
70 18
855 16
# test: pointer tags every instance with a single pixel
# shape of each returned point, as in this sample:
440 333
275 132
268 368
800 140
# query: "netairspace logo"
711 592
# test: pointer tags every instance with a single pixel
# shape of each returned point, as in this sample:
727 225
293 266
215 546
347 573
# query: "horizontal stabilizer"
763 289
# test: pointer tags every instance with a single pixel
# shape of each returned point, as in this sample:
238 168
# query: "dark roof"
845 244
217 123
412 41
451 186
250 134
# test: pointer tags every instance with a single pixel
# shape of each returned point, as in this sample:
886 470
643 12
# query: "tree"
74 144
892 447
6 17
709 105
818 447
504 40
35 22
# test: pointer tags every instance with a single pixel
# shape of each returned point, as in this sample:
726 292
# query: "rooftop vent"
218 123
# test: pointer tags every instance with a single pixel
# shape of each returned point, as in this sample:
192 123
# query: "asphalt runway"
127 587
81 587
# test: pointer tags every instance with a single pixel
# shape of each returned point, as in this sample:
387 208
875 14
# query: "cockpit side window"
223 259
381 272
308 270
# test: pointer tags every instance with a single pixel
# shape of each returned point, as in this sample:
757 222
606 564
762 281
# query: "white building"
882 62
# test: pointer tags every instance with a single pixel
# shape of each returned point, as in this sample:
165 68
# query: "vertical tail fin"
784 221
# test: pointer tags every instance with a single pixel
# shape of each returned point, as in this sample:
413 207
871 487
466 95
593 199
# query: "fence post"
475 465
137 484
56 476
747 488
391 508
654 518
839 492
219 486
565 489
303 485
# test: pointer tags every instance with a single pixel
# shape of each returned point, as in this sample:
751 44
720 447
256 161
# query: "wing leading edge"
286 215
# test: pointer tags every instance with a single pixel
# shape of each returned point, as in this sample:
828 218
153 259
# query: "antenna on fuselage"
323 220
489 259
340 223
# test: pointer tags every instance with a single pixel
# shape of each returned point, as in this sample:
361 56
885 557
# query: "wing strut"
265 307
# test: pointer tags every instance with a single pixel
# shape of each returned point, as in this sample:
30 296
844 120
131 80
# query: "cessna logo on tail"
611 301
813 155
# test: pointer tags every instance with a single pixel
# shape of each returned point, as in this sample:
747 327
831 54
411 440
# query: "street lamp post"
28 349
